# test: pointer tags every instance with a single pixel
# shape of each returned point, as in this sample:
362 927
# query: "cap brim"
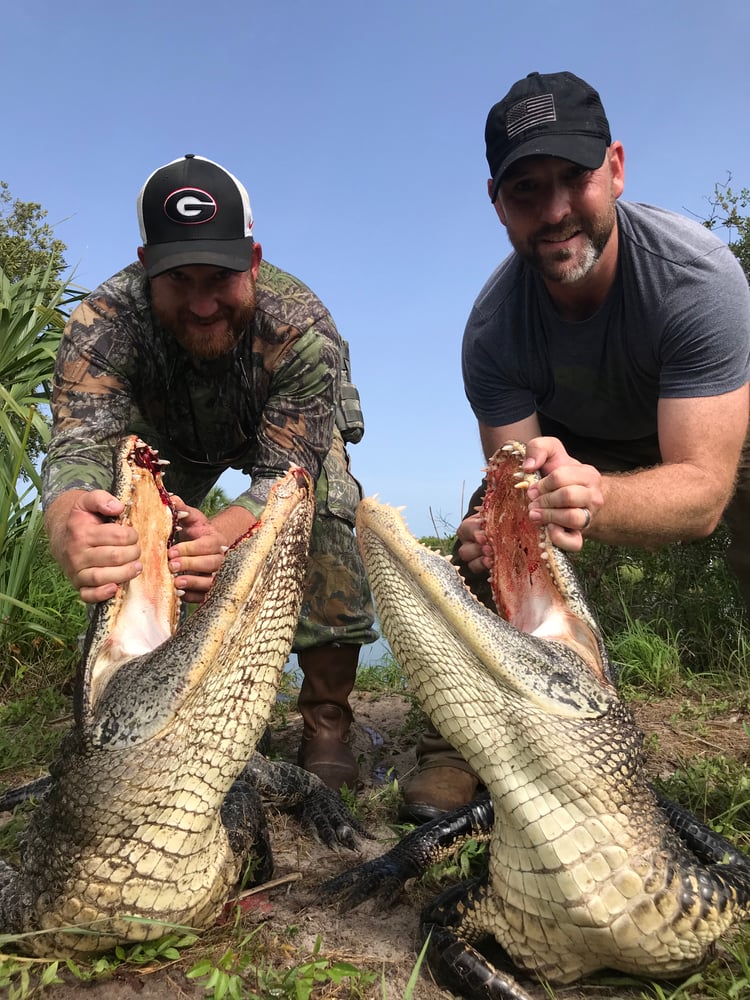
235 255
585 150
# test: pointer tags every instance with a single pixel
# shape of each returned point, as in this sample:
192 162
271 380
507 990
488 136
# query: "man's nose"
556 205
202 303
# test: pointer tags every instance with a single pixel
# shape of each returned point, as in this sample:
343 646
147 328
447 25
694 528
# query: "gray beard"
589 257
597 237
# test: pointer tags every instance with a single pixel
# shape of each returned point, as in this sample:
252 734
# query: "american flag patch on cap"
529 112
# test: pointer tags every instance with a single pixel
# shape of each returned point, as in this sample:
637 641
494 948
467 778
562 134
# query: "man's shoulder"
124 292
286 300
665 235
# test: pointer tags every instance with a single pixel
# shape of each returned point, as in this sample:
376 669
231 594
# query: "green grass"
385 677
684 594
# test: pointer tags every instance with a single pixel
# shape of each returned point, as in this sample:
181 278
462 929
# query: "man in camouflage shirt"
219 360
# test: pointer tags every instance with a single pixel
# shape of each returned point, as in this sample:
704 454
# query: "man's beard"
580 261
206 343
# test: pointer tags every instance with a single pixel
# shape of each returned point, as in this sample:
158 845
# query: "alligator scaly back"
130 836
588 869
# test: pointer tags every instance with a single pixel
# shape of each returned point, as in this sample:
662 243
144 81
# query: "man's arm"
682 499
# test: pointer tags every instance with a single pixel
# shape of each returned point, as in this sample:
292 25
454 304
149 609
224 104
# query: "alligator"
152 813
589 868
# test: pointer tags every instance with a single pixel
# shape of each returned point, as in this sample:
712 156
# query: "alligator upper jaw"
533 583
442 636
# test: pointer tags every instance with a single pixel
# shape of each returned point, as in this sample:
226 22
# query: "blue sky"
358 131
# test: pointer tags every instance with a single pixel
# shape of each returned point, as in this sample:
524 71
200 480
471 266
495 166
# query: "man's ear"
255 260
496 203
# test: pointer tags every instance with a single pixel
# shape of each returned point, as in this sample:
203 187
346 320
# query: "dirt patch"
678 730
287 919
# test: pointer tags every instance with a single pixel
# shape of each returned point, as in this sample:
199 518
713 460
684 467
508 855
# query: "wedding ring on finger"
587 518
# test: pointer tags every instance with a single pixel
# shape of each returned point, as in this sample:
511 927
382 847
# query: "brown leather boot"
443 781
329 675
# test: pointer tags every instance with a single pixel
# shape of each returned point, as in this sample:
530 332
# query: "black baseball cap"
193 211
548 114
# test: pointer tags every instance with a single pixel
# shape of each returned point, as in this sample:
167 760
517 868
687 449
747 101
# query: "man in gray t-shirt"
614 339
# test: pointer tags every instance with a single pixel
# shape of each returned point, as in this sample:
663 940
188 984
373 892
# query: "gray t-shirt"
675 324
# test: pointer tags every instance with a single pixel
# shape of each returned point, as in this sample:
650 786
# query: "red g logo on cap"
190 206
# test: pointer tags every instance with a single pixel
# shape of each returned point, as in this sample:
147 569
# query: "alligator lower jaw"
443 637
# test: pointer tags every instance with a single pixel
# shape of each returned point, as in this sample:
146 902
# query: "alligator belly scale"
588 868
144 823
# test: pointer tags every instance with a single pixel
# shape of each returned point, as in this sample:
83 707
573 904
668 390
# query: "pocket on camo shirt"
338 492
349 418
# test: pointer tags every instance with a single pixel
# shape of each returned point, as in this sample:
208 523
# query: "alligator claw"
325 813
377 879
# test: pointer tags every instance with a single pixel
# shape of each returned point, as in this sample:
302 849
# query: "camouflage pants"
336 604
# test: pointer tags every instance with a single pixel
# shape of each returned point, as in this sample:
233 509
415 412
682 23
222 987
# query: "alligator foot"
453 960
384 878
319 808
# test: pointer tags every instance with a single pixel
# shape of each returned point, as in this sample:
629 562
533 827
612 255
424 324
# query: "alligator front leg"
384 878
449 928
320 809
15 900
244 820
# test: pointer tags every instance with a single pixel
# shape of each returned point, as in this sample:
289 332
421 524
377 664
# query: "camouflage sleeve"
298 418
91 403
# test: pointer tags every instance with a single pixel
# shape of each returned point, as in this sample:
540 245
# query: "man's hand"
568 496
475 551
196 558
95 553
559 500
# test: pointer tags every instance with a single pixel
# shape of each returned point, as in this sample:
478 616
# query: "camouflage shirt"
274 401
